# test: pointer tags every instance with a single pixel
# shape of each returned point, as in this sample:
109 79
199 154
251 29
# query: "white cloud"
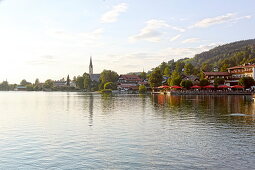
218 20
175 37
112 15
177 53
152 31
191 40
90 39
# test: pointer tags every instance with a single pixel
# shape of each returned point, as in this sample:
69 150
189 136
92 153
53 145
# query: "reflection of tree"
107 101
207 108
143 98
91 107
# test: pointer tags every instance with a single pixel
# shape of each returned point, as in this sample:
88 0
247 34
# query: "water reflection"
216 107
91 107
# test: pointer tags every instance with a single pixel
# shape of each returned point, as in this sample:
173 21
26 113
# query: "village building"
93 77
211 76
129 82
237 72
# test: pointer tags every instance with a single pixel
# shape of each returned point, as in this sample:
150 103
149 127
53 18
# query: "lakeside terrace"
203 90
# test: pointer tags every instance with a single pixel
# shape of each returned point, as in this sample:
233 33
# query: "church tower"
90 67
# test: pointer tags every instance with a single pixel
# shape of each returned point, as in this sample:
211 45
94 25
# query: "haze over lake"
49 130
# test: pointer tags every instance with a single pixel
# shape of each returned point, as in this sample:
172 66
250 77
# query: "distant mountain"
231 54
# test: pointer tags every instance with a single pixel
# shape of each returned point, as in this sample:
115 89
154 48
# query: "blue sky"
53 38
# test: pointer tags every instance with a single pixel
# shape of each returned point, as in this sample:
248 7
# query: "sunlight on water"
42 130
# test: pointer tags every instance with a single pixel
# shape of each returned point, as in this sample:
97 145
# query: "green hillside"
222 57
227 55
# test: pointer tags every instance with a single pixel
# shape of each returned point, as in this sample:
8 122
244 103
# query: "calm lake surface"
57 130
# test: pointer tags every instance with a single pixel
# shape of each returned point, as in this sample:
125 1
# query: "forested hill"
227 55
221 57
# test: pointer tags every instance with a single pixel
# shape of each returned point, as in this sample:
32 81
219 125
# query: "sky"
49 39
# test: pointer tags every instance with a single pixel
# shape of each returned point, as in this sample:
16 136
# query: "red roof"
130 77
217 73
252 65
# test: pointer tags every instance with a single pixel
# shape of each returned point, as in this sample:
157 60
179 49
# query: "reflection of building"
93 77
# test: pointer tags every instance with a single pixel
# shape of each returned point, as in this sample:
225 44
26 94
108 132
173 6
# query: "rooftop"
217 73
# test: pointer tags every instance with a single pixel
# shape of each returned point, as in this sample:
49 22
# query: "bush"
110 85
219 81
186 84
106 91
142 89
247 82
204 82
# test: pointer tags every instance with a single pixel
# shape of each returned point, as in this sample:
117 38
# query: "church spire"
90 67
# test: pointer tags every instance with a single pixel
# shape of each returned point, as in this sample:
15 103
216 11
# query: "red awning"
237 87
196 87
163 87
176 87
224 87
208 87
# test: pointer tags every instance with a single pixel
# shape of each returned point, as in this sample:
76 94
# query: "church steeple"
90 67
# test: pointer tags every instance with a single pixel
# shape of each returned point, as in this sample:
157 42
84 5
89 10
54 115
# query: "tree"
167 71
179 66
175 79
219 81
108 76
4 86
48 84
24 82
80 82
155 78
110 85
37 81
36 85
206 67
68 81
188 69
86 81
204 82
247 82
162 67
142 89
142 75
186 84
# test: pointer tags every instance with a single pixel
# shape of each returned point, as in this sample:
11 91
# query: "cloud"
89 39
43 60
153 31
218 20
177 53
191 40
112 15
175 37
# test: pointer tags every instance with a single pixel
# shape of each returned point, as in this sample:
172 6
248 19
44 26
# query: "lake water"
57 130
